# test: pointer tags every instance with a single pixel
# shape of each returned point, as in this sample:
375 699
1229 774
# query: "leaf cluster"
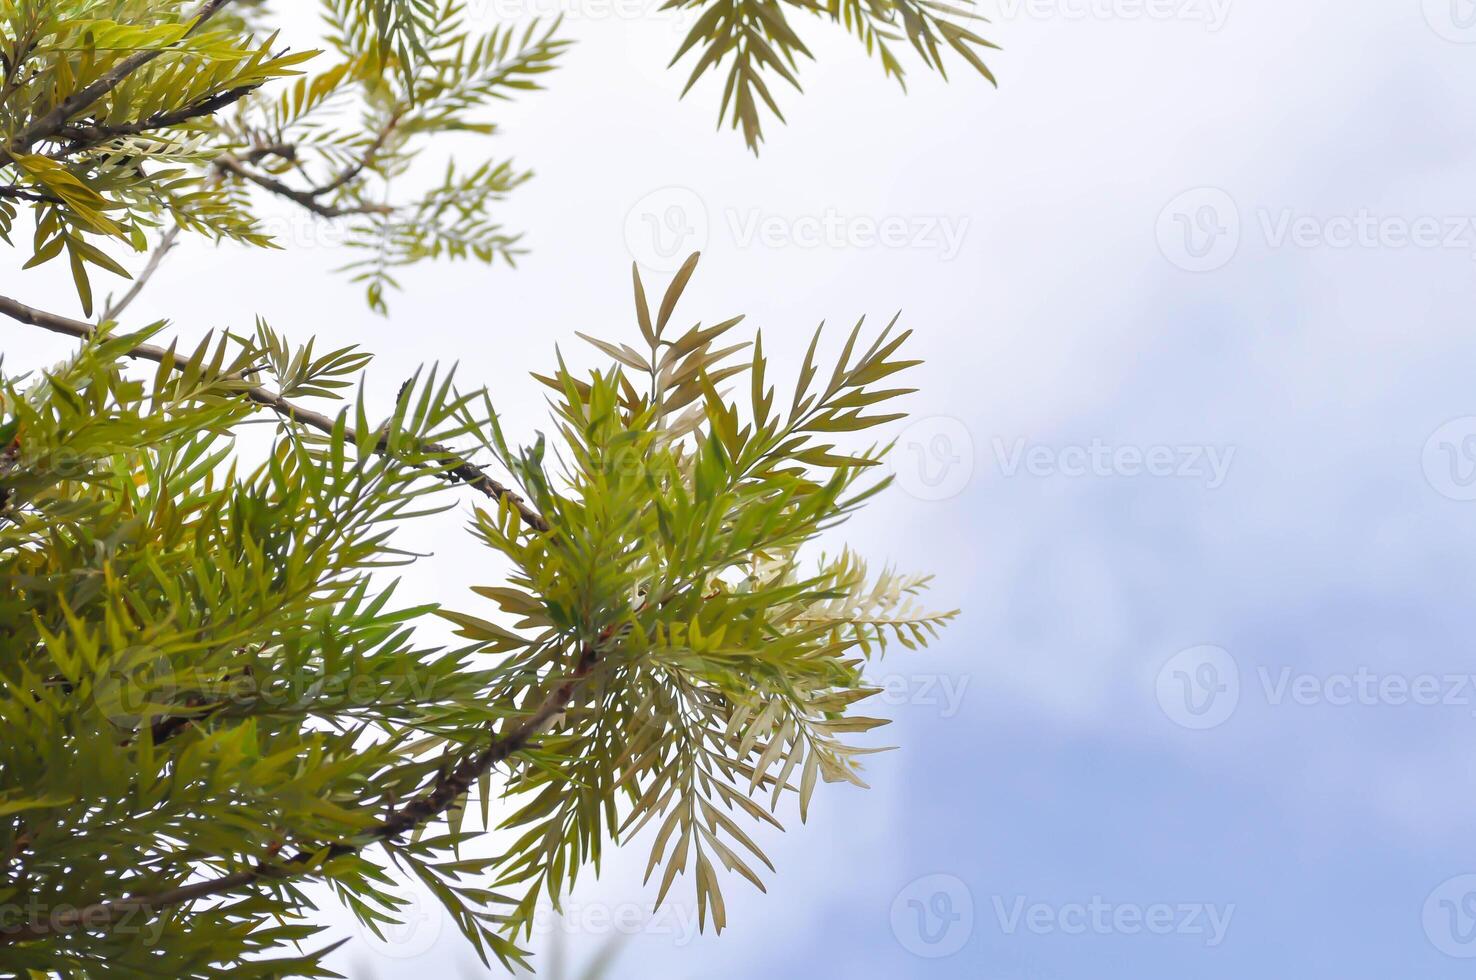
205 677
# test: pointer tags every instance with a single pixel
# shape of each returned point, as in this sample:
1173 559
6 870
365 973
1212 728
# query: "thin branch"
287 151
106 912
358 166
460 469
449 788
54 121
19 194
165 244
455 784
206 107
231 164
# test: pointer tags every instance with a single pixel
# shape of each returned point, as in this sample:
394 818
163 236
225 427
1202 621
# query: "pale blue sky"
1042 758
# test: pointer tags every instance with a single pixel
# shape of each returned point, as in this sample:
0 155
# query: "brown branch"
231 164
162 120
103 913
16 193
357 167
459 468
54 121
287 151
455 784
447 789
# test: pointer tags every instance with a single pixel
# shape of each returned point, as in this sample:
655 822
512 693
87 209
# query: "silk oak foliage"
212 696
122 119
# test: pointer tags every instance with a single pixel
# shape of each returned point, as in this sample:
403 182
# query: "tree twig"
54 121
98 134
20 194
357 167
287 151
450 787
460 468
165 244
232 164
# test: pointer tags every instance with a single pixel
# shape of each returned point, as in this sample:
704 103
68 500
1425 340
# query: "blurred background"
1194 452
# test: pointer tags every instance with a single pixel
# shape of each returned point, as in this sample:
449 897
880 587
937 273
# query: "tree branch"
165 244
450 787
308 199
206 107
287 151
461 469
19 194
54 121
357 167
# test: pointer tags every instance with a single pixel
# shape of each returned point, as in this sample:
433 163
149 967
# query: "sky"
1194 453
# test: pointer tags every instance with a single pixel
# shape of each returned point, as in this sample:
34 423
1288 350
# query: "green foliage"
205 673
195 657
210 693
725 661
122 117
755 38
